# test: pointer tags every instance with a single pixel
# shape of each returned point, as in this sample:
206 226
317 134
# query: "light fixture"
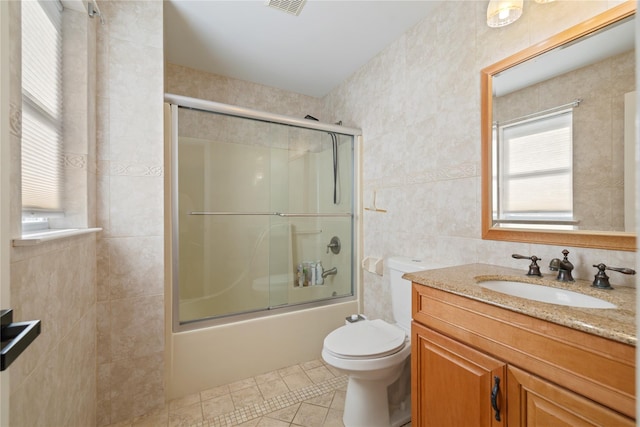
503 12
543 1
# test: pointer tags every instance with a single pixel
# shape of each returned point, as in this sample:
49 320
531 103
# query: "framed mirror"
555 165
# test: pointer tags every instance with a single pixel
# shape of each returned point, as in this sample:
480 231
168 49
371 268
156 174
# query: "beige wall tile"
54 380
103 400
103 332
135 107
137 22
136 386
137 326
136 266
130 187
198 84
136 206
422 135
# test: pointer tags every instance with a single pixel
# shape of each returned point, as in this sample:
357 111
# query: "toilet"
376 356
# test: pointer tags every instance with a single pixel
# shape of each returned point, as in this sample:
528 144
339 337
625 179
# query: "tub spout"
330 272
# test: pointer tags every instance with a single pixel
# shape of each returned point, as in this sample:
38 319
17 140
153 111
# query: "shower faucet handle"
334 245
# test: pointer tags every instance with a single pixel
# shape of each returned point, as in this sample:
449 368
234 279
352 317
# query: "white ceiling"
309 54
610 41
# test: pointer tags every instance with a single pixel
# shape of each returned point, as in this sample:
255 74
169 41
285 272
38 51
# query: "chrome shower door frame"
173 103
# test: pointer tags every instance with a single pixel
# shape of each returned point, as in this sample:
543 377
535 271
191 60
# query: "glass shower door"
255 203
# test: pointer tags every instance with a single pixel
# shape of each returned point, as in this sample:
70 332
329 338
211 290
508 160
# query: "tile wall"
53 383
186 81
418 104
130 332
54 380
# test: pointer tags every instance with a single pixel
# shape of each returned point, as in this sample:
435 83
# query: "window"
535 172
41 112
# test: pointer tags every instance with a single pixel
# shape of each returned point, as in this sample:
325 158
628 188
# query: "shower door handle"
315 215
280 214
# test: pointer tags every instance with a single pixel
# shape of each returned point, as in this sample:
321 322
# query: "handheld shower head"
334 143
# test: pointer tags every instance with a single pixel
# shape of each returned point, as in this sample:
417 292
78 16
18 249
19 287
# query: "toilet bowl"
376 355
372 353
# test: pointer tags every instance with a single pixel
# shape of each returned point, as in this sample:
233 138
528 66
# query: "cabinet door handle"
494 396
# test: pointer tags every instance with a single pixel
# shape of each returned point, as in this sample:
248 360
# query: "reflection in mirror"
559 166
554 140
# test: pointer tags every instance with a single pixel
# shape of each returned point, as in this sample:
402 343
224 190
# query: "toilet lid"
369 338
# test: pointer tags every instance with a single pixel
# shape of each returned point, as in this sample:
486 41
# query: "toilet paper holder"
373 265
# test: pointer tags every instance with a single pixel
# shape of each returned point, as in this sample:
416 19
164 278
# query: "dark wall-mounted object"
16 337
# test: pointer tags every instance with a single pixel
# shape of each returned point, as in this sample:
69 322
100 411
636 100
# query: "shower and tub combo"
264 239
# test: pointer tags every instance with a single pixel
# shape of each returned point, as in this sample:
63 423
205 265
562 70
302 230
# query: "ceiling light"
503 12
544 1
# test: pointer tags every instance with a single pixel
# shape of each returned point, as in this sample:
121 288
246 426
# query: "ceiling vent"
290 6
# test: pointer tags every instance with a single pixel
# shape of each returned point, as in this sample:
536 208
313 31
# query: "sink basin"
545 294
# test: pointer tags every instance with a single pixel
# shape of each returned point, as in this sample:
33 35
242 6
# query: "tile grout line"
250 412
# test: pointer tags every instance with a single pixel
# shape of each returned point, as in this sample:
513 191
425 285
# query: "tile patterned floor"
310 394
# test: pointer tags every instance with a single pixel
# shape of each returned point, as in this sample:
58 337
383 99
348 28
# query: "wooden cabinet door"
535 402
452 383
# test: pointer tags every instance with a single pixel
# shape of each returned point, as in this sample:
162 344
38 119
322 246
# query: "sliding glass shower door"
257 207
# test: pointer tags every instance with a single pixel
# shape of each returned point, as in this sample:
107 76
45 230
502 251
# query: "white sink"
545 294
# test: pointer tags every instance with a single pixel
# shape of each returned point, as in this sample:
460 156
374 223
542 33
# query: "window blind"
41 106
536 178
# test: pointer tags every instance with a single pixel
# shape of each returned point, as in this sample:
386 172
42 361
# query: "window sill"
35 238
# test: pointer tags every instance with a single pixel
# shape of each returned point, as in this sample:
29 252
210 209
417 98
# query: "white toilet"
376 355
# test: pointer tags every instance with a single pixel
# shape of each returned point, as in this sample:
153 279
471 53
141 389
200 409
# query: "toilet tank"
401 288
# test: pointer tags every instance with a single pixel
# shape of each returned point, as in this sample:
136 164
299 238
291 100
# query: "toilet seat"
369 339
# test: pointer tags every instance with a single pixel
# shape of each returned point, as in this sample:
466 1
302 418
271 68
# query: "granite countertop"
618 324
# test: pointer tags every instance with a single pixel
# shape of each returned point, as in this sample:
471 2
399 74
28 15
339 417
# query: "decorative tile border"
15 120
106 167
461 171
74 161
250 412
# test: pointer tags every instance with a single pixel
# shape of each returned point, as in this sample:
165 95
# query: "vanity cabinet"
548 375
453 382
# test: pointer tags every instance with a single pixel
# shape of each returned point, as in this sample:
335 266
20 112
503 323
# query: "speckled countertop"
618 324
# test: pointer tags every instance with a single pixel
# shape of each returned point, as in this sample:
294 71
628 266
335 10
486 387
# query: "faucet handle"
601 279
534 269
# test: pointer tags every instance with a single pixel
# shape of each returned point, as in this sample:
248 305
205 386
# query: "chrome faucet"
563 268
330 272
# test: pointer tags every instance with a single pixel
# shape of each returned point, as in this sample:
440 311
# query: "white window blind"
536 169
41 106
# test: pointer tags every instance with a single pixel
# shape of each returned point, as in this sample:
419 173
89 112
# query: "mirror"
553 138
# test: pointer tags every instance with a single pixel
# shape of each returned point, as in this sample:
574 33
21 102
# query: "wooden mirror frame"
588 239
